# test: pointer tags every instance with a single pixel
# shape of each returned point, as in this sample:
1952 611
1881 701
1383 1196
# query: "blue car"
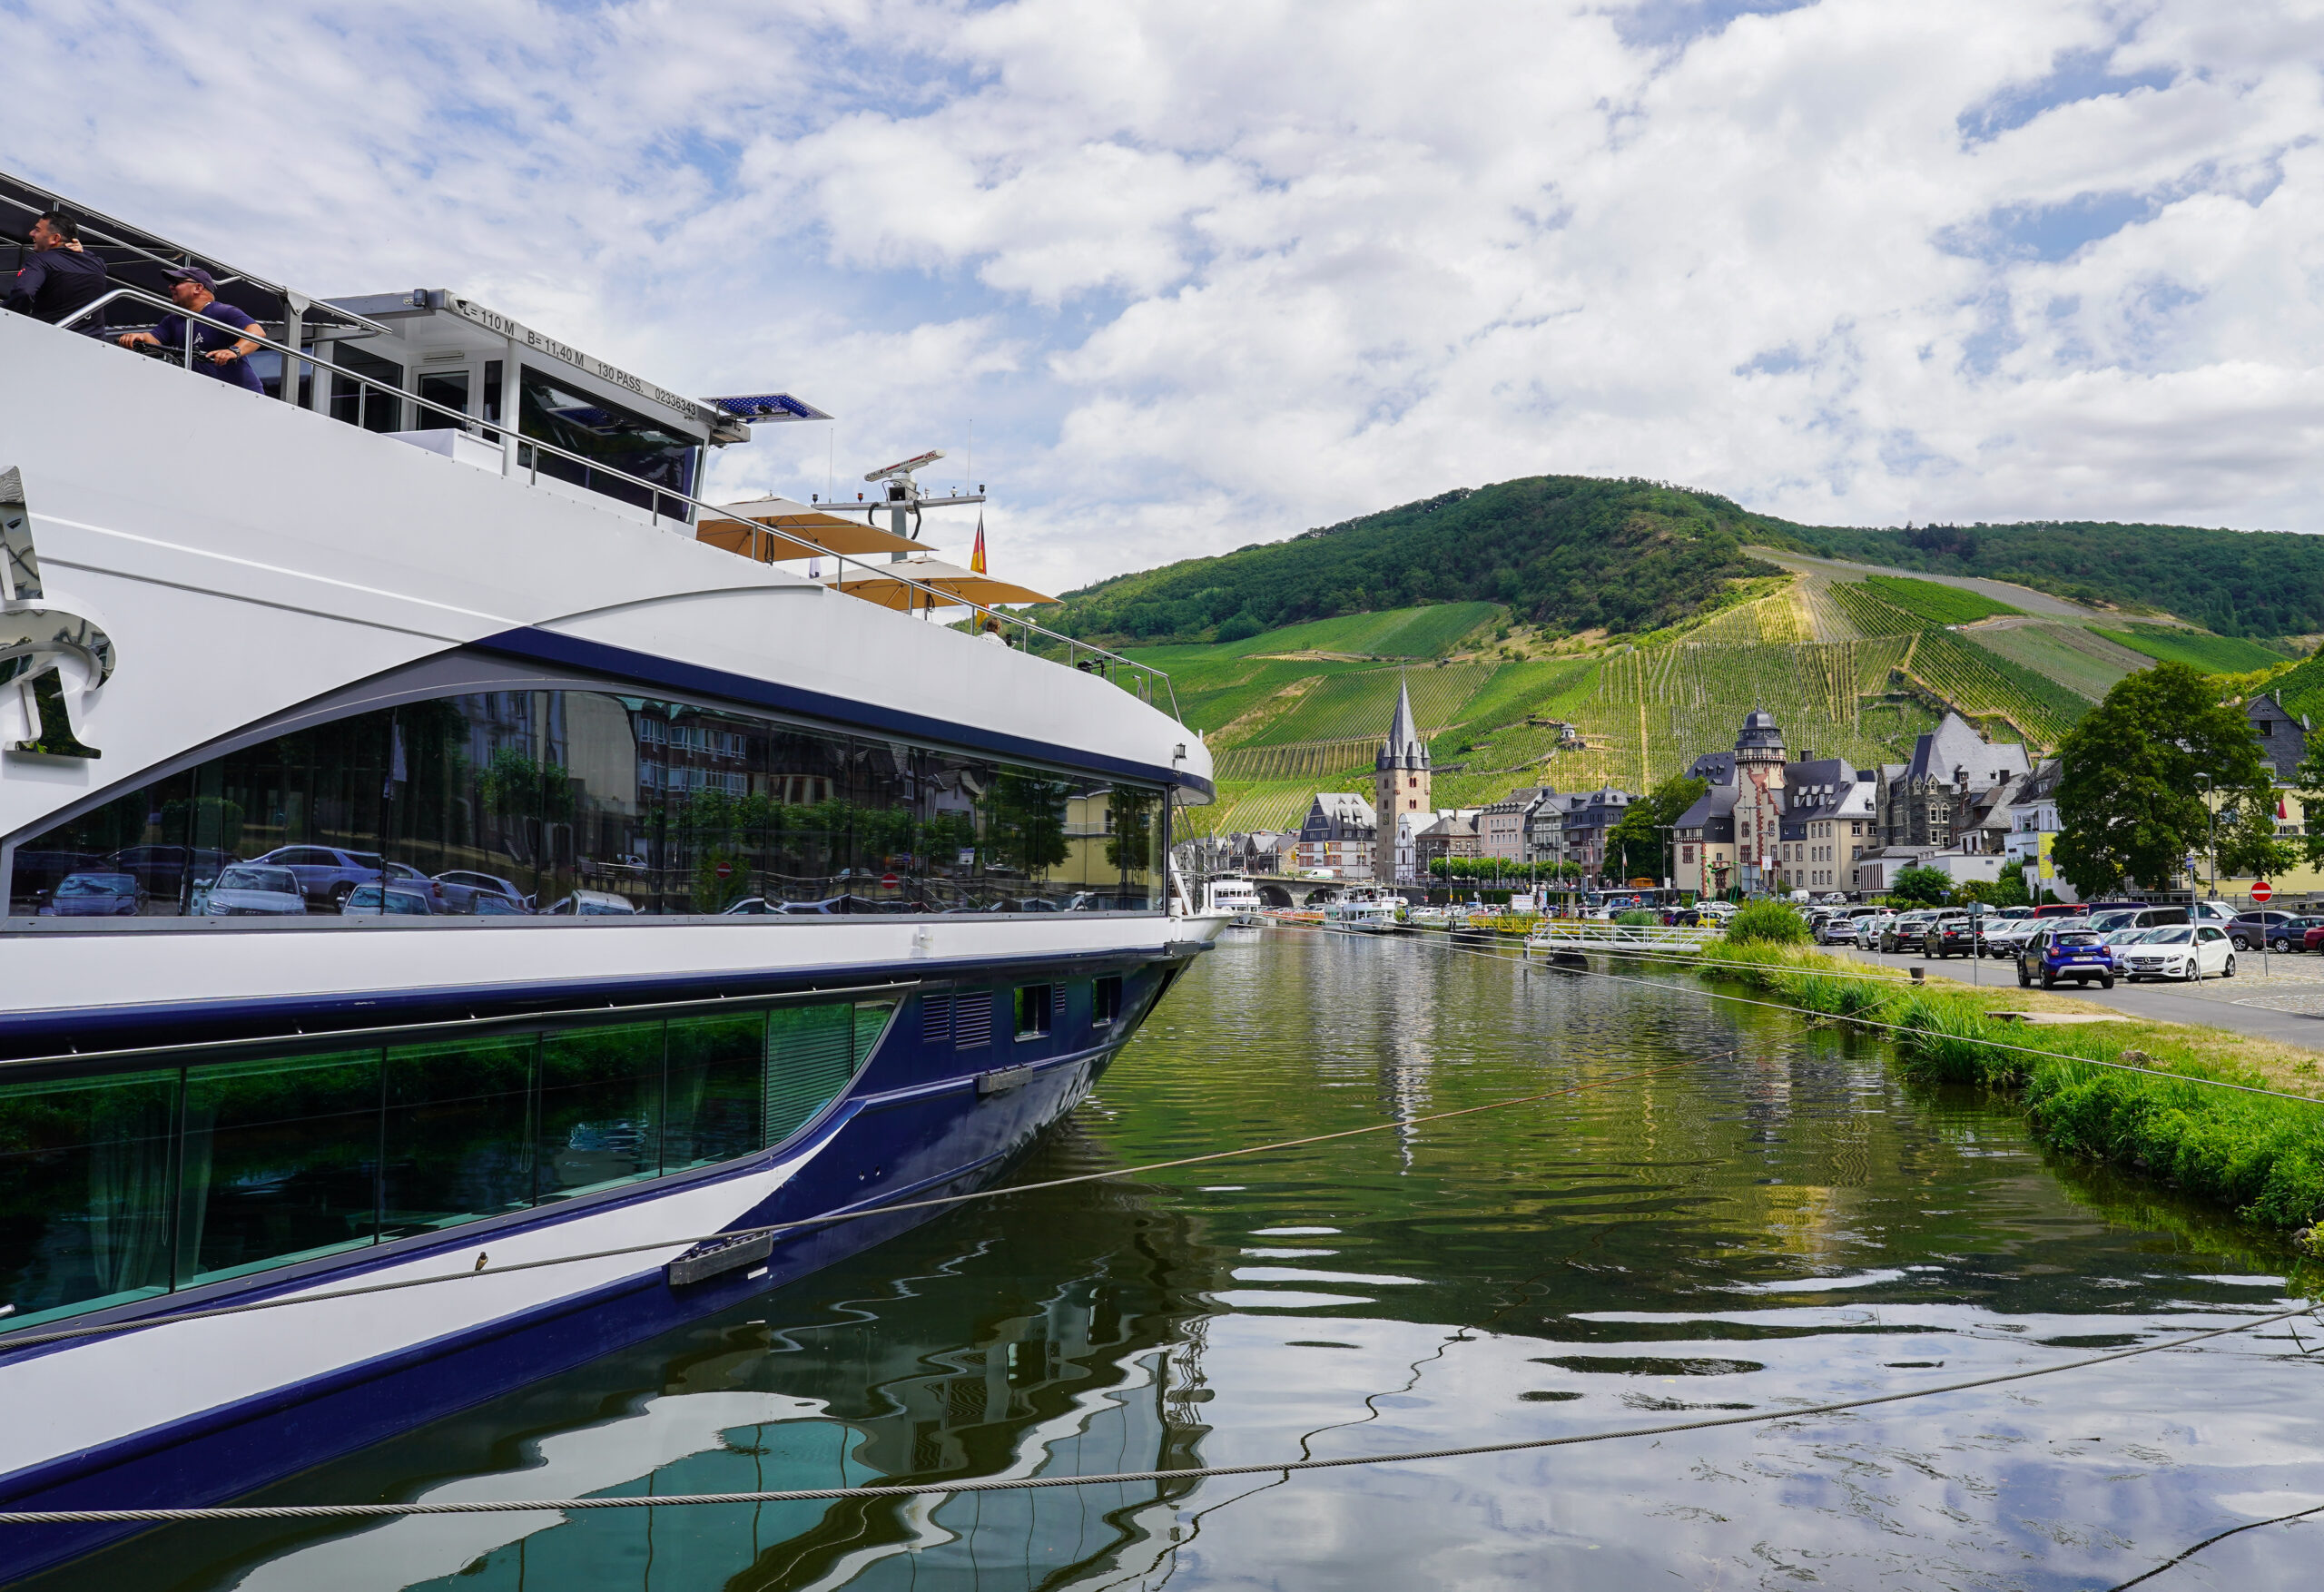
327 876
93 895
2078 954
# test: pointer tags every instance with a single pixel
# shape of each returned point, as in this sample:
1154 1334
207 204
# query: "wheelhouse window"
591 804
610 435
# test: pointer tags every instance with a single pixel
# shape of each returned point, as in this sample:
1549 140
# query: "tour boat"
437 840
1365 910
1235 897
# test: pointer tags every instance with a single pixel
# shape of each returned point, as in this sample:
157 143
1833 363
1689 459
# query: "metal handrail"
1144 675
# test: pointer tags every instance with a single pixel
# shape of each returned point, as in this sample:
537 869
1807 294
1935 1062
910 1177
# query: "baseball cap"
191 273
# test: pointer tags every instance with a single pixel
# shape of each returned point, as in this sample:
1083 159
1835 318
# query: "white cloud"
1201 274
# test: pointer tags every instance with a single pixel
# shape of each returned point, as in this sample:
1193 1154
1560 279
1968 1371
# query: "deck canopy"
798 522
965 587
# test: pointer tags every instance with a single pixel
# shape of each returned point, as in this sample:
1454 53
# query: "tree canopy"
2237 582
2131 805
1925 886
1567 551
1635 845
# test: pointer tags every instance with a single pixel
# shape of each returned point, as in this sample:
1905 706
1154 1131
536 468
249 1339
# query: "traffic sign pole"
2263 892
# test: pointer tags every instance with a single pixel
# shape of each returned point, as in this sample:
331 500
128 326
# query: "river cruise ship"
1235 897
435 839
1365 910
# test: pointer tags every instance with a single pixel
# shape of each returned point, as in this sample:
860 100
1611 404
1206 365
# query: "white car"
593 904
2188 951
250 890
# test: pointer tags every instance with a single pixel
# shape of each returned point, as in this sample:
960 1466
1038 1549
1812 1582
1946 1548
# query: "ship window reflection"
85 1192
282 1162
583 802
113 1189
457 1138
600 1108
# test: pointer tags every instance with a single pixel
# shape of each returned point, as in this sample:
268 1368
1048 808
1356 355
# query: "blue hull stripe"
547 646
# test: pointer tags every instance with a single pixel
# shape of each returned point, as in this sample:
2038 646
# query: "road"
2291 988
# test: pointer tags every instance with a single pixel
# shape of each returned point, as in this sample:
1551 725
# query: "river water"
1736 1212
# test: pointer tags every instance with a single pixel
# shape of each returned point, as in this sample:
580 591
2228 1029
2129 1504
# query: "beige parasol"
736 528
965 587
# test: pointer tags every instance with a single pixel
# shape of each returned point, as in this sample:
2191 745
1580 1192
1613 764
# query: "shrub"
1767 923
1639 918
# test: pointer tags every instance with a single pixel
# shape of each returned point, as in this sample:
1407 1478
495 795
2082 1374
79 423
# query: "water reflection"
1779 1222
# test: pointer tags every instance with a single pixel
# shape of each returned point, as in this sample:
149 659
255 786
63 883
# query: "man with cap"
217 351
59 278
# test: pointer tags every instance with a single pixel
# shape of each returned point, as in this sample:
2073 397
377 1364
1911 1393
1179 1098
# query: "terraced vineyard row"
1345 706
1980 682
1870 615
1303 760
2081 660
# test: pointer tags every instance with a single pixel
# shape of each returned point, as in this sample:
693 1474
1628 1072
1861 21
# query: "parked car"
462 886
327 876
2065 953
1871 925
2005 938
250 890
93 895
594 904
1835 930
1904 930
485 904
1952 935
2187 951
2277 930
2295 938
163 869
395 899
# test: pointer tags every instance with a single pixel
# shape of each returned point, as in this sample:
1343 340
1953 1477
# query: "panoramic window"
587 803
615 437
115 1188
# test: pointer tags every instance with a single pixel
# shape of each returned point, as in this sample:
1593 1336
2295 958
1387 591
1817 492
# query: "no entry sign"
2263 892
725 870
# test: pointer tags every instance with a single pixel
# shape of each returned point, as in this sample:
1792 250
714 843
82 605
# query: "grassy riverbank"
2261 1157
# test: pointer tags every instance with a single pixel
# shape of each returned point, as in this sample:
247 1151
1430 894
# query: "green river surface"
1739 1211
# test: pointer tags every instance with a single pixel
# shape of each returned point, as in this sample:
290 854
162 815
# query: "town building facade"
1402 781
1338 835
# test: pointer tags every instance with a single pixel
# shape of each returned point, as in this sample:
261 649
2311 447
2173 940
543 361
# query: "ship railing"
521 456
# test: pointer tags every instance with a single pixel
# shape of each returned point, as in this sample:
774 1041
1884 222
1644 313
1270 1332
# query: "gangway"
1566 934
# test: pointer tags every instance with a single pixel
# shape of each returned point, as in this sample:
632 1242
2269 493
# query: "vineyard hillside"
2207 654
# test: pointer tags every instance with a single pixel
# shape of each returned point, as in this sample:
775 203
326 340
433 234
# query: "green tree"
1924 886
1635 845
2130 806
1767 923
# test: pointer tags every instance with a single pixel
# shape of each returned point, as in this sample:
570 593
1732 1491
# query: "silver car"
252 890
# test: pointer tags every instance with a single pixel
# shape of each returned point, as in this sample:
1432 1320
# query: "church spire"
1404 749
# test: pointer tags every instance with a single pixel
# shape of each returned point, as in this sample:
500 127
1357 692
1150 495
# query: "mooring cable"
1023 1483
2179 1558
14 1341
1519 959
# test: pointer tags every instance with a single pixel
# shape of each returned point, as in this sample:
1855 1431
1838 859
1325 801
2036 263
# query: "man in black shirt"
59 278
217 351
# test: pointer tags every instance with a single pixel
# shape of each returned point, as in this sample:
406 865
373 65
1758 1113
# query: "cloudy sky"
1198 273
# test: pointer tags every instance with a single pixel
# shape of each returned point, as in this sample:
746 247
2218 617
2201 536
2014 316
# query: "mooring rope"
1023 1483
22 1340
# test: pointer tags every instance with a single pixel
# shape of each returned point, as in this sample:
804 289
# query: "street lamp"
2211 830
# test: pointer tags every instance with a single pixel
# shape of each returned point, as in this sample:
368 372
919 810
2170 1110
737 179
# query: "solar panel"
768 406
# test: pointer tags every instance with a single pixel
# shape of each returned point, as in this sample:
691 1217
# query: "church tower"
1400 782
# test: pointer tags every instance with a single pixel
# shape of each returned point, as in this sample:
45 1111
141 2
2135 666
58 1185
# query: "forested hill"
1574 553
2237 582
1565 551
